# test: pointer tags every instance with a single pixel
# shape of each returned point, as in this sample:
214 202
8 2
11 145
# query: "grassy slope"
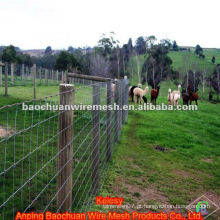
188 169
178 61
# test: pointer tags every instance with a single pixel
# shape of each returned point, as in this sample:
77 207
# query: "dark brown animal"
154 94
190 96
193 96
185 97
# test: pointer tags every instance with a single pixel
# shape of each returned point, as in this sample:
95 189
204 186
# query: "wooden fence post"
109 124
0 75
40 76
116 111
6 79
120 105
126 101
52 75
27 72
96 139
46 76
65 149
22 74
12 73
57 76
34 70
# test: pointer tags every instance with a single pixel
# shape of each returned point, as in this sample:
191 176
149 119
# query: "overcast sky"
60 23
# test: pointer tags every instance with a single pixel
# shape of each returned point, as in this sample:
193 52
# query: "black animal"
131 94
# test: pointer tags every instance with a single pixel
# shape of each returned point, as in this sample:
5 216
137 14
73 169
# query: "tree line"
109 59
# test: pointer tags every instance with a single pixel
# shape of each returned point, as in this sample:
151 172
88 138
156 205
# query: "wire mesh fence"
56 160
22 75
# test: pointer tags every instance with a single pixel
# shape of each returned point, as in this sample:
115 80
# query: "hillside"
180 60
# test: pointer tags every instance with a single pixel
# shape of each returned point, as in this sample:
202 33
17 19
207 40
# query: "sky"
36 24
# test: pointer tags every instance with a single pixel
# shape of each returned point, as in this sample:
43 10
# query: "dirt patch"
139 197
208 160
182 173
150 193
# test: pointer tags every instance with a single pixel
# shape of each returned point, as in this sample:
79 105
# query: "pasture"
167 157
162 157
186 169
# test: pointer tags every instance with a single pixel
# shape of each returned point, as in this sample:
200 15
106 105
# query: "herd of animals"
137 95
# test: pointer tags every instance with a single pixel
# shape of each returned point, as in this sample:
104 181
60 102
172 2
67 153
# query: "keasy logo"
204 206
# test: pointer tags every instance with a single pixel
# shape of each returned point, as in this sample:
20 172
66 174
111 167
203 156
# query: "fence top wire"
88 77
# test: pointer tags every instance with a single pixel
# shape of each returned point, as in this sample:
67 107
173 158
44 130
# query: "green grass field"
187 169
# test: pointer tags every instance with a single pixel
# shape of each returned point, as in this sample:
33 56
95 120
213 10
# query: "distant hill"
38 52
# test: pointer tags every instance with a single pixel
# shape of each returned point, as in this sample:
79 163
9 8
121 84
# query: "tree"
198 50
166 43
106 44
193 79
175 46
150 40
157 65
140 46
99 65
130 46
48 50
9 54
215 81
66 61
70 49
213 59
26 59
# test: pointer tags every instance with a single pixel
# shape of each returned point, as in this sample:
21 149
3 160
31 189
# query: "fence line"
57 160
22 75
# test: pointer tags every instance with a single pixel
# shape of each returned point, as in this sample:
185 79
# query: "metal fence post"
108 123
96 138
65 149
6 79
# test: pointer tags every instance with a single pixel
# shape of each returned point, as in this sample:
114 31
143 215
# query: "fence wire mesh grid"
24 75
57 160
